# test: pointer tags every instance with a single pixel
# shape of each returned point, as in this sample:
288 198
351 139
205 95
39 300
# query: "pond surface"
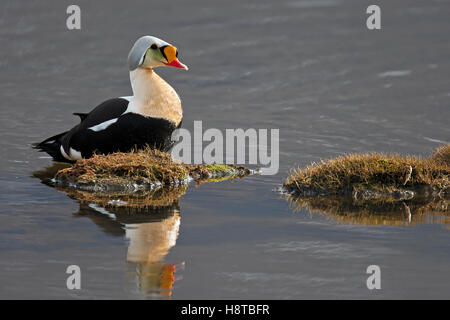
310 68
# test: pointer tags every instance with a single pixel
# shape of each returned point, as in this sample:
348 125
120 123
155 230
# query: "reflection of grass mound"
139 170
376 212
373 176
152 199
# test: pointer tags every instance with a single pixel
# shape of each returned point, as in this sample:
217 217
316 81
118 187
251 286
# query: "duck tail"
52 146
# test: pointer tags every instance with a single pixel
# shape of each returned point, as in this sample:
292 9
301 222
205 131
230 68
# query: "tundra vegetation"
373 176
134 181
375 188
140 170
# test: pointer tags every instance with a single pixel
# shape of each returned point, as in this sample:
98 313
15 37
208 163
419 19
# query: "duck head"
149 52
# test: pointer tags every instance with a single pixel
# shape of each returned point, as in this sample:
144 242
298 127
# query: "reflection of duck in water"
150 243
150 221
151 234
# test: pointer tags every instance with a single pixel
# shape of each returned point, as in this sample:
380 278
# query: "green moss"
218 168
222 170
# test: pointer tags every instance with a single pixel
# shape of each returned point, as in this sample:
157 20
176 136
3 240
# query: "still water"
309 68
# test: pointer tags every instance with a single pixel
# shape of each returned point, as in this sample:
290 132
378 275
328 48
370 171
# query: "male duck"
121 124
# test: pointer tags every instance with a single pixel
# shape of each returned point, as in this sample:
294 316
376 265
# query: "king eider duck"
147 118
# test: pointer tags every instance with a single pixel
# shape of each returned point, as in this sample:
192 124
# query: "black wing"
129 131
108 110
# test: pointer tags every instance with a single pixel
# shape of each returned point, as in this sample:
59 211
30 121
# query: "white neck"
154 97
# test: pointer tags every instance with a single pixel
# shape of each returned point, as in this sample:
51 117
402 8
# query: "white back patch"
103 125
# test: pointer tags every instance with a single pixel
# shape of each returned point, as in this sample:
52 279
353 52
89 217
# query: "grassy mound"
373 176
139 170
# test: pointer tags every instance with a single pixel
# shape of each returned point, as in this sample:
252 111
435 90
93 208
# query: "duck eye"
154 46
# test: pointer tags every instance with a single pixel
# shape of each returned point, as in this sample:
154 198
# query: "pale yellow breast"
154 97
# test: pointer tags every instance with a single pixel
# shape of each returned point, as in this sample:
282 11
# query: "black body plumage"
121 132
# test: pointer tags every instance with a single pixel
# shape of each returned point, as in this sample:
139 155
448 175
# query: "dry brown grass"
144 167
441 155
140 169
383 172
